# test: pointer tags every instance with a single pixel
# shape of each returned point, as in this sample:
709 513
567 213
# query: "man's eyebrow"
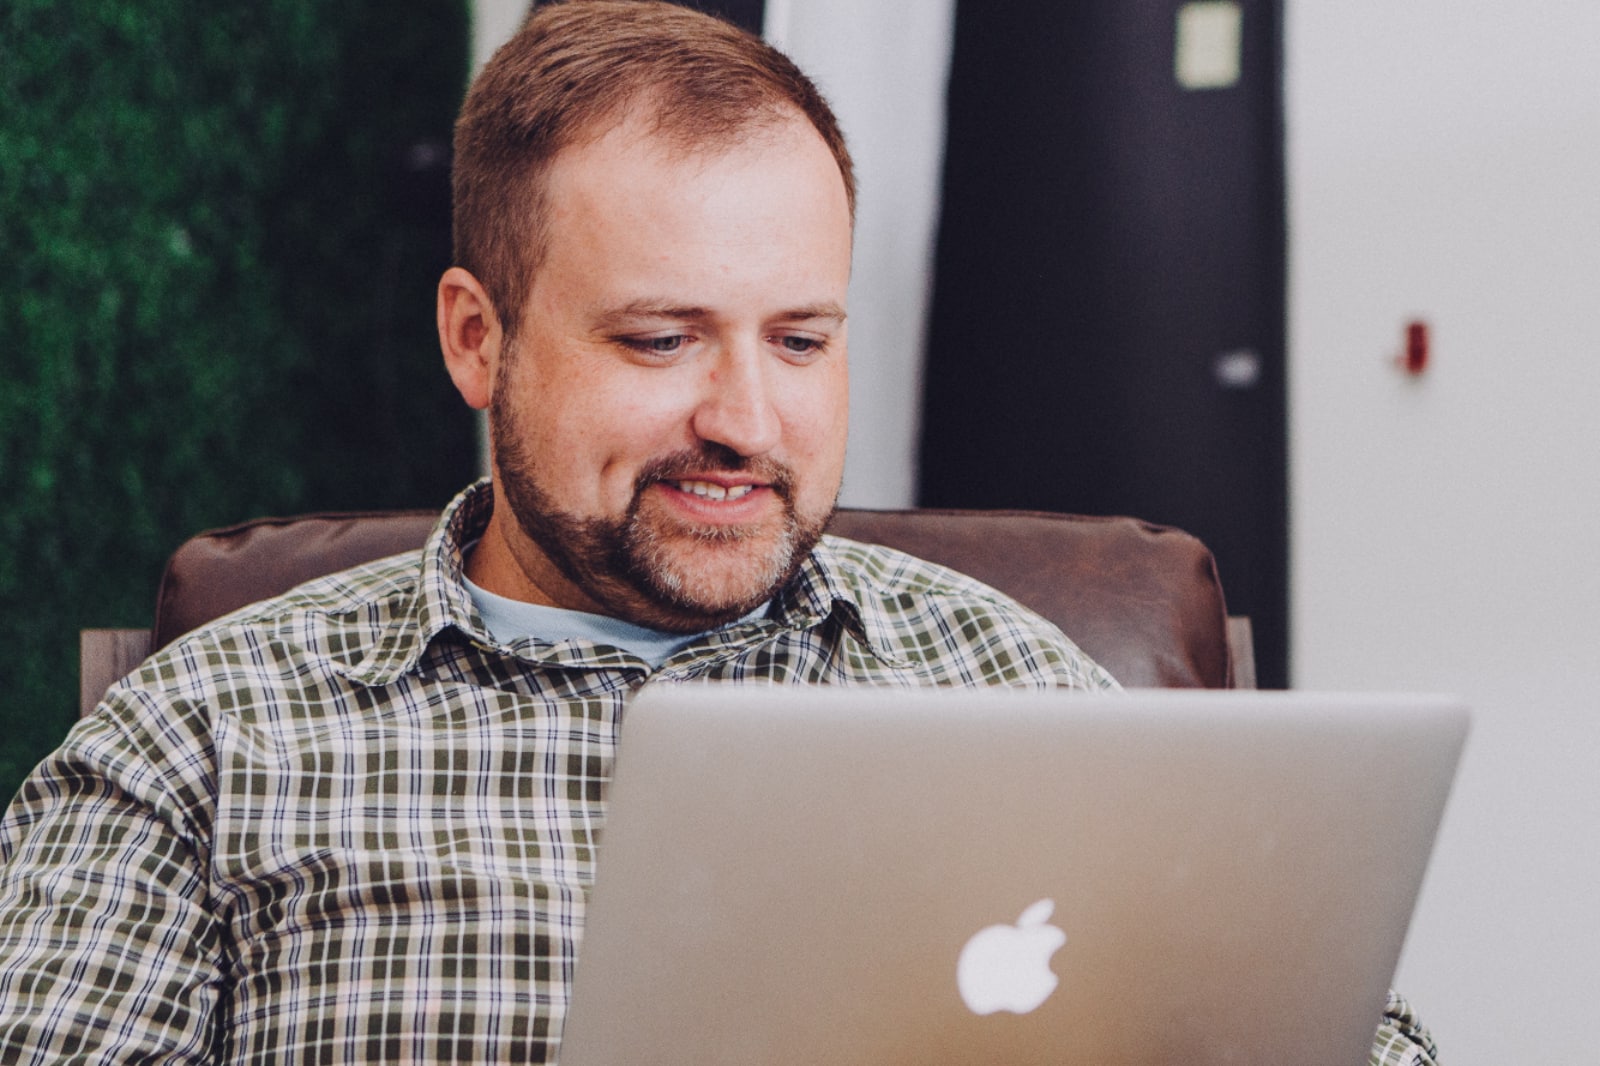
633 312
829 311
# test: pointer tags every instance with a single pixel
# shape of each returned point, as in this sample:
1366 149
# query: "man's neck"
495 566
510 620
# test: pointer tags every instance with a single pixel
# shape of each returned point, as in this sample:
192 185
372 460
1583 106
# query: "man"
357 823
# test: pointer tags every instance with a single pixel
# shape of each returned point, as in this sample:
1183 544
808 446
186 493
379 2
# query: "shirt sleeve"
1402 1039
108 952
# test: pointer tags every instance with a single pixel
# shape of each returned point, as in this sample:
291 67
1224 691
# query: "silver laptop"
803 875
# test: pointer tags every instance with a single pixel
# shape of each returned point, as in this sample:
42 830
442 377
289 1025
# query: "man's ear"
469 334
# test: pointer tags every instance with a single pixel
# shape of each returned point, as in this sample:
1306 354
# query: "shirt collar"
823 588
826 586
439 599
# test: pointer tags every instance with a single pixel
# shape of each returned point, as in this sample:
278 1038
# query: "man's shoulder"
963 629
348 606
366 591
329 622
879 571
357 598
905 591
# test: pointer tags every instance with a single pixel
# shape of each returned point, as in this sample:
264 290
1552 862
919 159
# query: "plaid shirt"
347 825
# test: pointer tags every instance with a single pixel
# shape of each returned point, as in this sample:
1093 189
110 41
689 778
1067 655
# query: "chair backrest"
1144 600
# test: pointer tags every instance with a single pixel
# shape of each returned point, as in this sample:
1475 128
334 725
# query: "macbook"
794 875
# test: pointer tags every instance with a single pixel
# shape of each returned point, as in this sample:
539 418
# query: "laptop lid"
805 875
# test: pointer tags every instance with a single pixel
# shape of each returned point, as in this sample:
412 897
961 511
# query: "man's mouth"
712 491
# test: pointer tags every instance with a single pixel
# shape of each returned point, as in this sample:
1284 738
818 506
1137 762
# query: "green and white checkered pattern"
346 825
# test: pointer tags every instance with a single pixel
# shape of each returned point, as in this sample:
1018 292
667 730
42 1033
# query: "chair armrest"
105 656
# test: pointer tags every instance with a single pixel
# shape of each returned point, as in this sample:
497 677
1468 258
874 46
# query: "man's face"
669 425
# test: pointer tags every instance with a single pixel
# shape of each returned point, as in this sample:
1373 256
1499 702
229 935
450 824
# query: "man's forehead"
759 226
646 130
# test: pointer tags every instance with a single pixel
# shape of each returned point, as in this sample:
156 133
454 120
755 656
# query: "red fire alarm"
1414 359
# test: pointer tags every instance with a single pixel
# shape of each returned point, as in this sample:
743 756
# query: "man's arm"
107 948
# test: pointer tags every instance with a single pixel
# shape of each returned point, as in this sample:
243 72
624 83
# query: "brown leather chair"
1144 600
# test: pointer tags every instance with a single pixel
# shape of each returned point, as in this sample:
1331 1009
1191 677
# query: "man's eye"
801 345
667 345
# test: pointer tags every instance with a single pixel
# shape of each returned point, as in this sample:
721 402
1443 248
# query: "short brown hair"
573 69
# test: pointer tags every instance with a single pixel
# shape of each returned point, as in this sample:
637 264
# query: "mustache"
712 459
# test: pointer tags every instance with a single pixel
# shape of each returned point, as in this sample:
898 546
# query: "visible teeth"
714 492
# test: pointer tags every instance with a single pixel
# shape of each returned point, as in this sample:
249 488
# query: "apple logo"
1007 967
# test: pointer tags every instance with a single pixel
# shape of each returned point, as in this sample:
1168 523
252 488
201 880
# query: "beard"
650 569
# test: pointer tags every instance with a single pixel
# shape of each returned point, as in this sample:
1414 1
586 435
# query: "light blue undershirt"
511 620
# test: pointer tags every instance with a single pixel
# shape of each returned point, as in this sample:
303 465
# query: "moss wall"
220 226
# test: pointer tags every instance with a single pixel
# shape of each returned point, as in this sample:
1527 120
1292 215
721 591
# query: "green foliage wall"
220 227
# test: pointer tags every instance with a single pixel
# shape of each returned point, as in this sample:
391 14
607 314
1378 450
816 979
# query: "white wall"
1444 162
883 67
493 23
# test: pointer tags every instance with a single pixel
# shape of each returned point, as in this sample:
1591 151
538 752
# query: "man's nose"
737 408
